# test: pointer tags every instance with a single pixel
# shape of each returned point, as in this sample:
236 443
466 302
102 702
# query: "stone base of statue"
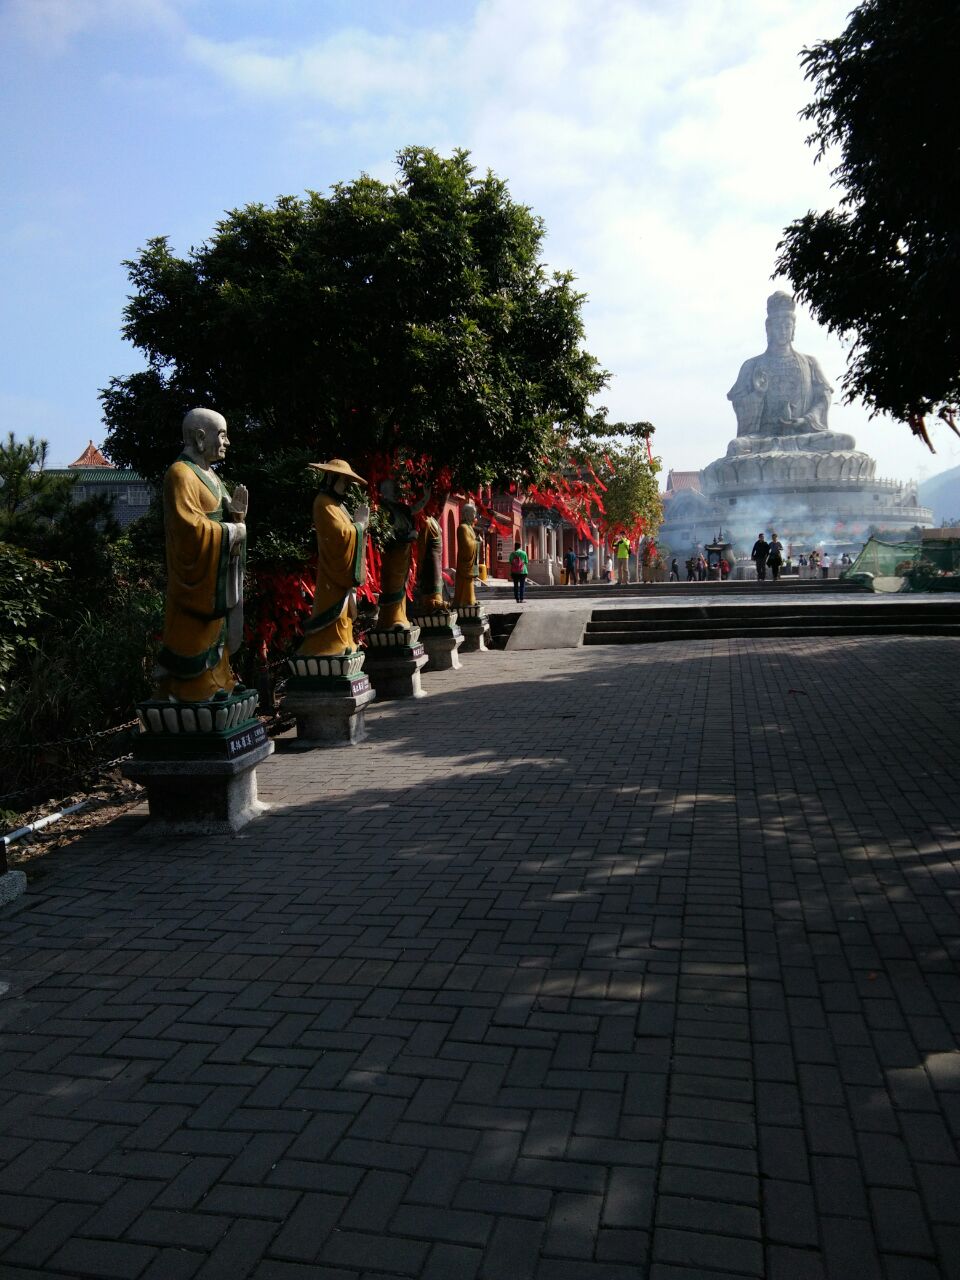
394 659
12 884
198 762
328 697
475 626
441 638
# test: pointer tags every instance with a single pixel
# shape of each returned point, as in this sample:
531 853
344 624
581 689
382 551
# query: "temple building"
95 475
786 471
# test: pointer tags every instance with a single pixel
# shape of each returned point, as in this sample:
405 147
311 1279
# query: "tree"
78 617
632 502
38 514
885 265
27 490
415 315
28 589
612 487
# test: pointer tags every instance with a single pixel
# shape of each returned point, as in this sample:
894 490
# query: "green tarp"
882 558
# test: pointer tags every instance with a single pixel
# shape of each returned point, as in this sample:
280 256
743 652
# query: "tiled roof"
98 475
683 480
92 457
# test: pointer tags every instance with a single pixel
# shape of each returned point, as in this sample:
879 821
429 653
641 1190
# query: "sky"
658 139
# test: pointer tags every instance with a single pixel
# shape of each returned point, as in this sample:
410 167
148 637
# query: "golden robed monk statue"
468 557
396 554
430 568
205 534
341 563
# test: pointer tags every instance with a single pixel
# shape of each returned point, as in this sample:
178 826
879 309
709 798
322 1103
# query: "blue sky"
658 139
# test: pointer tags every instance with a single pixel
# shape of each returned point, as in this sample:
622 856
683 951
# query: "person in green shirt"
621 549
519 567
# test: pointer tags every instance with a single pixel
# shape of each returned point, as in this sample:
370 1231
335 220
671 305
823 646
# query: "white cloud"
349 69
660 141
662 144
52 25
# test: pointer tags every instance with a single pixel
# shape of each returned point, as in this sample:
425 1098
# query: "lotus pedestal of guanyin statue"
439 633
200 740
327 689
472 617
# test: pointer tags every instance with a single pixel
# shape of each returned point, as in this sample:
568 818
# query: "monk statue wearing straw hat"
341 563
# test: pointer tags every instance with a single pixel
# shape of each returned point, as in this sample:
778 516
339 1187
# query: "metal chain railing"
99 734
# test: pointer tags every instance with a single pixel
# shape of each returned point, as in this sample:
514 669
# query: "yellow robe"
341 568
194 662
394 572
468 565
429 568
395 566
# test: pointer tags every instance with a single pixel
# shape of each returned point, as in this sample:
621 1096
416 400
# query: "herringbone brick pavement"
591 965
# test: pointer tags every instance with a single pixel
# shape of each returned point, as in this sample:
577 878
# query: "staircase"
501 628
773 620
792 587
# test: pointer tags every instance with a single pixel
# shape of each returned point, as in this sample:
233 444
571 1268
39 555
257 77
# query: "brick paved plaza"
597 964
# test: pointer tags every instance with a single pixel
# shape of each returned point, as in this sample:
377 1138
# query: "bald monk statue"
468 557
205 534
341 563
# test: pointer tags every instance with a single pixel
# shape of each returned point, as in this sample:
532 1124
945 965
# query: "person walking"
691 570
674 570
608 569
519 568
724 569
759 554
570 563
825 565
621 549
775 557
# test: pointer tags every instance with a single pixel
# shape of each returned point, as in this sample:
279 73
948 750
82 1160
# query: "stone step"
821 611
744 630
746 586
501 628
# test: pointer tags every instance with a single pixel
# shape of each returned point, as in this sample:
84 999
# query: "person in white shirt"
825 566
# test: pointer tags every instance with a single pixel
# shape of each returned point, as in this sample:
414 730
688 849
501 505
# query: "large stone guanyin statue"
782 395
782 402
786 470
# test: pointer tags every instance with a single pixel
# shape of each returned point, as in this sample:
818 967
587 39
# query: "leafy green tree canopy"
885 265
632 502
28 493
39 514
414 315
